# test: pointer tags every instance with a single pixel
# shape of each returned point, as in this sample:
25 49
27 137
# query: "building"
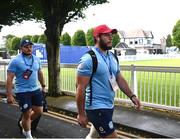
142 41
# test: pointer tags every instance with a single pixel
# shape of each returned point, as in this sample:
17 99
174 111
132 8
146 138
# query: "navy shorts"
102 120
28 99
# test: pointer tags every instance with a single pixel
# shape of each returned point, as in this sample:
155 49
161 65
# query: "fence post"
5 72
133 80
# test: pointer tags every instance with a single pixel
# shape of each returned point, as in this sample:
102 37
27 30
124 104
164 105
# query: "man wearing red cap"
95 96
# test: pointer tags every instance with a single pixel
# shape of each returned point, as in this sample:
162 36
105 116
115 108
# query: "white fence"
155 86
147 57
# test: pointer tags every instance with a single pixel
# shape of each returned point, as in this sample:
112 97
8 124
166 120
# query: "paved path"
49 127
156 124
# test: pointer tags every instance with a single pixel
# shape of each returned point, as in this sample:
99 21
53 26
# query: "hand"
10 99
136 102
82 120
44 90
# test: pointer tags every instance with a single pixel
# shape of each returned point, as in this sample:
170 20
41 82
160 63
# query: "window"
148 41
140 41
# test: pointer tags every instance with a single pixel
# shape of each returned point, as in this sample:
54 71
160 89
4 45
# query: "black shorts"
102 120
28 99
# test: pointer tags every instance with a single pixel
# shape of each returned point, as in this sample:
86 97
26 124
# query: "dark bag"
45 106
35 122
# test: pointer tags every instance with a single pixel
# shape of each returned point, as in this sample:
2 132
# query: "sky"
158 16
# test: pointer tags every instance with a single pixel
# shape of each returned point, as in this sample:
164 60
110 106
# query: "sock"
92 133
21 123
27 134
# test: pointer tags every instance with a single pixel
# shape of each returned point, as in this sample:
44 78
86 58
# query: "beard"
104 45
26 54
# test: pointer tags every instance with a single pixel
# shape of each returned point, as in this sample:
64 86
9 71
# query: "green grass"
162 62
159 88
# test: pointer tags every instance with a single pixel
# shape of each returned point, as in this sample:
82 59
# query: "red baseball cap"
103 29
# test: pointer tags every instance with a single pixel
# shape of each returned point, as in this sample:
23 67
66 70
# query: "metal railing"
157 87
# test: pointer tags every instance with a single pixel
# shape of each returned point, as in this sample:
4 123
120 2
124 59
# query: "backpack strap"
115 57
94 64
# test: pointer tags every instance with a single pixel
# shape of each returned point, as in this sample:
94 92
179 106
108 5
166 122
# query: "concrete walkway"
154 123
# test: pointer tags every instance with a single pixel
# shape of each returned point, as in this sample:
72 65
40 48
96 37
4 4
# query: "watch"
132 96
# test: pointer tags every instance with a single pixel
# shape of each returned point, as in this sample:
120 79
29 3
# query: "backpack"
95 64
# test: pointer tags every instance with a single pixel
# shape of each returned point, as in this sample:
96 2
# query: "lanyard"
30 65
105 59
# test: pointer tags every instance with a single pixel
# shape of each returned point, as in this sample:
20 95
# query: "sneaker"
19 124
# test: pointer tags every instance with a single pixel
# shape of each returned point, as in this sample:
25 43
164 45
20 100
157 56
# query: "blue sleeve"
85 66
118 69
12 67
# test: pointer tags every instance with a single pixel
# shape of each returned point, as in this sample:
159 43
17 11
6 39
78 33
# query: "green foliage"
13 52
65 39
15 43
115 40
169 41
26 37
176 34
8 41
89 37
42 39
16 11
79 38
35 38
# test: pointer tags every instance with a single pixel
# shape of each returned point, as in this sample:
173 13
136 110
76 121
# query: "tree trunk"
53 55
53 68
54 21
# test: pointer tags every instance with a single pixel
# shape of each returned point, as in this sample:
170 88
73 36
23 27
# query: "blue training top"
102 92
18 66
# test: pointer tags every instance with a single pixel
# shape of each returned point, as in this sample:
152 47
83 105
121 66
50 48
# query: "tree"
35 38
89 37
16 11
169 41
42 39
79 38
65 39
115 40
55 14
9 41
176 34
28 37
15 43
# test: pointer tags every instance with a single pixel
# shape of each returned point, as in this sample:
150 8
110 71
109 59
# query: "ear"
97 38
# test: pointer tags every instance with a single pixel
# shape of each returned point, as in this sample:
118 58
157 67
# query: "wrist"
43 85
9 93
131 97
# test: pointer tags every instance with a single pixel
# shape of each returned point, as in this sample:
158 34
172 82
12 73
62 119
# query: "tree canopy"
55 14
89 37
79 38
65 39
169 41
176 34
16 11
115 40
